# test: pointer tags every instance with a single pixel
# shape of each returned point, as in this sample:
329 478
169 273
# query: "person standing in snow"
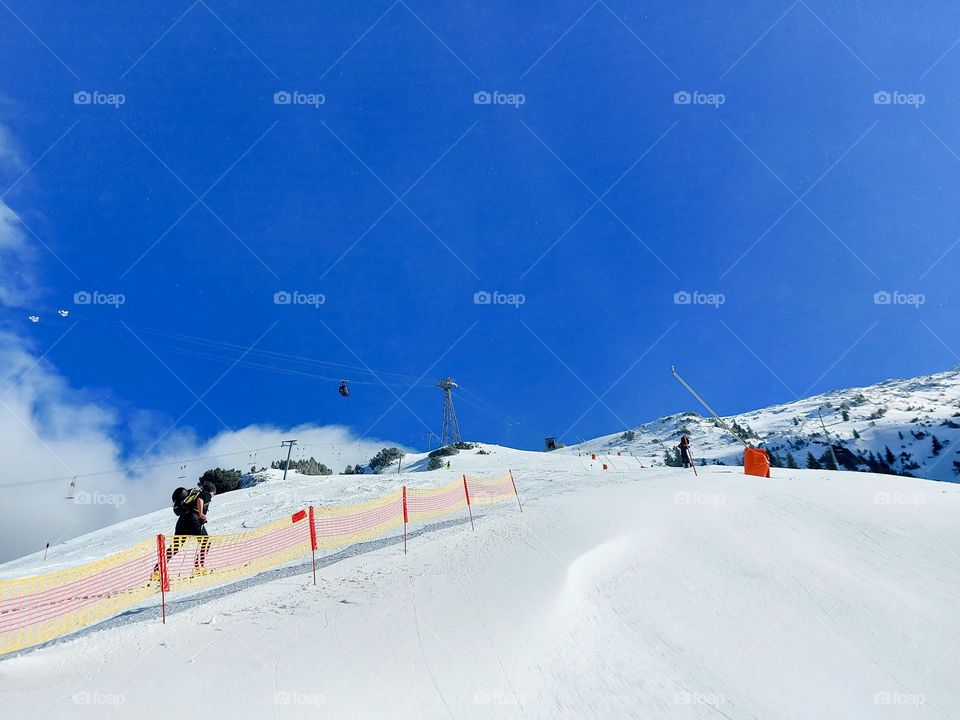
192 522
684 446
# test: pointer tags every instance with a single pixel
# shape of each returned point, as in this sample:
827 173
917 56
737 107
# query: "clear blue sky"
505 198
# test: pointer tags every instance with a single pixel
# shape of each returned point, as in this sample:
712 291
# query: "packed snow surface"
629 592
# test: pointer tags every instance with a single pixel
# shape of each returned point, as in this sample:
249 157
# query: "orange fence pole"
404 519
313 544
515 490
162 573
466 493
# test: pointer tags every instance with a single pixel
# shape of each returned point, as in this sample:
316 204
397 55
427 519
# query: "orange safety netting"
40 608
487 491
195 561
429 504
43 607
342 525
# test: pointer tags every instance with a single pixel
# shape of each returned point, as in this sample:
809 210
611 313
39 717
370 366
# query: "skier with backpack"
191 507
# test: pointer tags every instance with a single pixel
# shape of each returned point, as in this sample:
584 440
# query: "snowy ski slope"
627 593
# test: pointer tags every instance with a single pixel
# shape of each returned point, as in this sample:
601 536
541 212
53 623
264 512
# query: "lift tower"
450 432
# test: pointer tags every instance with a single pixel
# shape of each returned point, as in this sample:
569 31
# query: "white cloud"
11 157
51 430
17 281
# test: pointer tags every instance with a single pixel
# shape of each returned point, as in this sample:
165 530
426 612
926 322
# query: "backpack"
184 500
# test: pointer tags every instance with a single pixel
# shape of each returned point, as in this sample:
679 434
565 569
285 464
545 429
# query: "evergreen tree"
856 435
889 456
812 463
791 461
672 458
826 461
385 458
935 445
223 480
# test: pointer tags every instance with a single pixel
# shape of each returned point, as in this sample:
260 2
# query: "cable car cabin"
344 390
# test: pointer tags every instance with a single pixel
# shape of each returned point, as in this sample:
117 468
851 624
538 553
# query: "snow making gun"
755 462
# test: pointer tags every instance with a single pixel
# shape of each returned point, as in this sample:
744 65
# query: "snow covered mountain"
906 427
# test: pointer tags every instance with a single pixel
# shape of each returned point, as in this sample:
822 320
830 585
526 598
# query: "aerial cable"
243 362
213 343
134 469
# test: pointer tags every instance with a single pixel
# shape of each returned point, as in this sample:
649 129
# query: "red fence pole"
466 493
162 572
404 519
313 544
515 489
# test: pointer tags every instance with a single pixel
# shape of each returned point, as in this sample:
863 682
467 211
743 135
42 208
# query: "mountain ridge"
898 426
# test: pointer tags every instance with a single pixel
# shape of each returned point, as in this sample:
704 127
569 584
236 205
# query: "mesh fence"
193 562
425 504
36 609
40 608
341 525
488 491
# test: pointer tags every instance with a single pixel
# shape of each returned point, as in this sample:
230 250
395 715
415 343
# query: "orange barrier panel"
756 462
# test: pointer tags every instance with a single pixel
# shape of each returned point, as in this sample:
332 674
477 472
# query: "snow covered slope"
626 593
889 427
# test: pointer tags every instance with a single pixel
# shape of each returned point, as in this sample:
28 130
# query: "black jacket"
189 522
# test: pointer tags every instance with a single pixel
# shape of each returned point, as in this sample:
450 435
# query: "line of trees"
304 467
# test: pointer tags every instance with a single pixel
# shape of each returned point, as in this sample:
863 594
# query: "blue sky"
784 188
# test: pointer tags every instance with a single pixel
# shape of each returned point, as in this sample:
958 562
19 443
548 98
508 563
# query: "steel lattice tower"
450 432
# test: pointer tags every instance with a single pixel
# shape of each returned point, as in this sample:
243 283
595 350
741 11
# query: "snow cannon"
755 460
